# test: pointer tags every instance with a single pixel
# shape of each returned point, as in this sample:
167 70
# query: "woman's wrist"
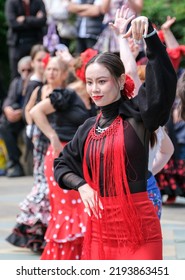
52 136
150 34
151 30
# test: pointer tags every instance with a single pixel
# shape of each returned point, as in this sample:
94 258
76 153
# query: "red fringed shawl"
104 170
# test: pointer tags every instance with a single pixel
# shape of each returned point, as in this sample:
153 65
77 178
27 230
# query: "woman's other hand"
56 145
121 20
91 200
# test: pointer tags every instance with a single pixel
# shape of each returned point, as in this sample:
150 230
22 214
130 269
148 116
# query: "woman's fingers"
128 34
94 206
138 29
88 211
145 23
91 200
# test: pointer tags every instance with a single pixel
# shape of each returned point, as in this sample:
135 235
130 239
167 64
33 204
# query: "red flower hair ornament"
85 57
80 72
45 60
129 86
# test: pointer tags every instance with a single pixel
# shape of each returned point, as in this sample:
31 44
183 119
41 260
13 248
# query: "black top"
70 113
143 114
32 84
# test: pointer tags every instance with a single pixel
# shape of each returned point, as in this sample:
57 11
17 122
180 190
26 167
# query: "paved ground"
14 190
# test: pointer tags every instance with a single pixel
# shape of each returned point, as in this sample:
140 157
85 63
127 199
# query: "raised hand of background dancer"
121 20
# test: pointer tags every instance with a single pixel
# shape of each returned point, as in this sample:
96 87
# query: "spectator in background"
2 92
108 40
58 14
90 15
174 49
11 122
171 179
26 20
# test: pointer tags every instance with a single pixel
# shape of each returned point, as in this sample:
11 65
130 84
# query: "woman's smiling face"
101 85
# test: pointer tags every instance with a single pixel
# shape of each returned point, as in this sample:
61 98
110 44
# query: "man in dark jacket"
26 20
11 121
90 15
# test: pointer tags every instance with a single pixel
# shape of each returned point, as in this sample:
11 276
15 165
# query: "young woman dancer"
107 160
67 224
32 221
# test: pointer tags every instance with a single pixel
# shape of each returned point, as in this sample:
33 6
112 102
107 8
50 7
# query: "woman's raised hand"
168 23
121 20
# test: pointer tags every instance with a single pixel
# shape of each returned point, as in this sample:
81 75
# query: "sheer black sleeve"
72 181
68 166
157 94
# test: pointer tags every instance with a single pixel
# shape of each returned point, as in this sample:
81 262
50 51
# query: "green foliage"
158 10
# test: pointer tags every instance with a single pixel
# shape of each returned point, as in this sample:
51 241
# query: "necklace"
100 130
